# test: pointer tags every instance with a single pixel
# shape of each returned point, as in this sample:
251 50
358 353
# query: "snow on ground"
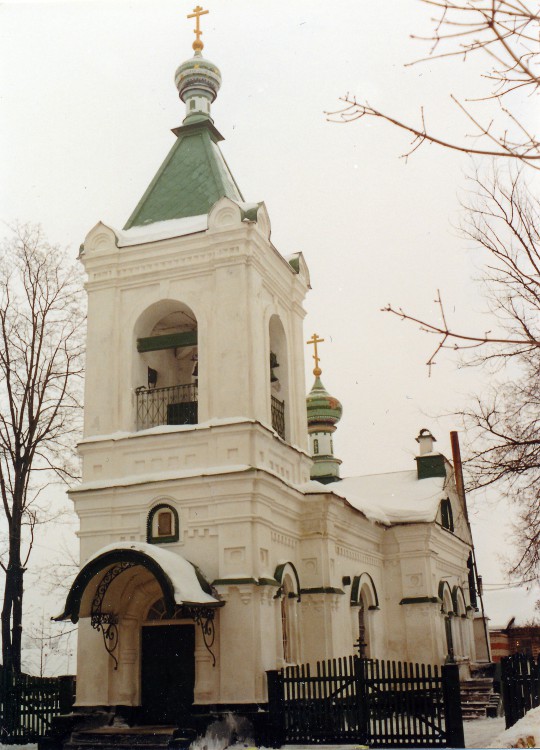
526 733
482 732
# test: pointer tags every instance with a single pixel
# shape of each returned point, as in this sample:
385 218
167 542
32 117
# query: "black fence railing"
520 686
364 701
28 705
278 416
159 406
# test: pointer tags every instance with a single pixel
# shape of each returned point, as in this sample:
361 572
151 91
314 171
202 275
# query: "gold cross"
316 340
197 13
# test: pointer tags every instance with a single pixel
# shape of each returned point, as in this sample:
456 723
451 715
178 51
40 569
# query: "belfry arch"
279 378
166 365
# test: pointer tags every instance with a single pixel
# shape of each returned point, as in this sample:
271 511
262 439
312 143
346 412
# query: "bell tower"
195 434
195 317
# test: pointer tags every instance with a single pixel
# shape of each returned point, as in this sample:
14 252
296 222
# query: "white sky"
87 101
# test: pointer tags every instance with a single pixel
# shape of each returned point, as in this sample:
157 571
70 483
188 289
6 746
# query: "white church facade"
217 539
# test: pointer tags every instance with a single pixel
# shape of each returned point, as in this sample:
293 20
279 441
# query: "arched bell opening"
166 370
279 378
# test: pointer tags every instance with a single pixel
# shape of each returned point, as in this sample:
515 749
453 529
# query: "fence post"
66 693
452 706
360 666
276 716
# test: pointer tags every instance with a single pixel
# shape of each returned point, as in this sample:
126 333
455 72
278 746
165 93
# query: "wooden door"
167 673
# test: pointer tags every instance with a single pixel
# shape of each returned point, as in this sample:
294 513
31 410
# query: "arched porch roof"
181 582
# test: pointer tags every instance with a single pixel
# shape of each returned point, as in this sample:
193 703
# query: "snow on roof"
162 230
187 589
395 497
159 476
164 428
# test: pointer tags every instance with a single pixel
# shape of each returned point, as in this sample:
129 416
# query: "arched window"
364 602
462 624
447 612
363 645
447 518
289 620
162 525
289 592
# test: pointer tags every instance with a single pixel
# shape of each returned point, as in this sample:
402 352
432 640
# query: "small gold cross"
316 340
197 13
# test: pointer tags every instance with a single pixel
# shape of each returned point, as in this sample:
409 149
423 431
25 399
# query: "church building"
217 538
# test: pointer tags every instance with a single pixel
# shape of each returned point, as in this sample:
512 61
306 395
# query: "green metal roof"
191 179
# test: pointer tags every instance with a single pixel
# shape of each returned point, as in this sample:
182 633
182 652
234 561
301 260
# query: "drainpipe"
460 487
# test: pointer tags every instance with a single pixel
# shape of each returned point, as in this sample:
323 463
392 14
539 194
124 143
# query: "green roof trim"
192 178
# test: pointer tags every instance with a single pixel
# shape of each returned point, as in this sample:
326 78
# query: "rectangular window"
165 523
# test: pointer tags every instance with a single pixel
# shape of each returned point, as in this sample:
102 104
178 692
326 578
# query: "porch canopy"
182 584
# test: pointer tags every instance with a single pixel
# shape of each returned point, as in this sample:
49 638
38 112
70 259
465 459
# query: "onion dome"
323 410
198 81
323 413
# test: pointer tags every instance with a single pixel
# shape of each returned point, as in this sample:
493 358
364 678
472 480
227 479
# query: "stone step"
122 738
475 697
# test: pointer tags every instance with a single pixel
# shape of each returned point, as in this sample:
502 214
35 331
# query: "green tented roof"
191 179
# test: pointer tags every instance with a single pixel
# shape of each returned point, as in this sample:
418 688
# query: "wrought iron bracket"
106 623
204 618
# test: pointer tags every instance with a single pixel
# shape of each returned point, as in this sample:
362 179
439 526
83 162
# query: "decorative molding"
322 590
362 557
420 600
285 539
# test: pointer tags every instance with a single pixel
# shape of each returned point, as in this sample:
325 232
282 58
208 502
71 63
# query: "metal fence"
365 701
29 704
278 416
159 406
520 686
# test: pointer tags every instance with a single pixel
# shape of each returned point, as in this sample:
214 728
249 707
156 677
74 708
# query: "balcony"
174 405
278 416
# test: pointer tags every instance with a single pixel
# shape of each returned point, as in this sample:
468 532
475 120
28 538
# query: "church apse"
167 367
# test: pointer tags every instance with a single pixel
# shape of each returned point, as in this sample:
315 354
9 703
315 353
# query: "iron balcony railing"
174 405
278 416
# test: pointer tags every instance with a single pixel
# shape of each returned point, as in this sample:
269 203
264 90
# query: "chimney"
428 463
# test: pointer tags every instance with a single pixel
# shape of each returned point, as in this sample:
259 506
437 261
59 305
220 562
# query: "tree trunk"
16 621
7 659
13 595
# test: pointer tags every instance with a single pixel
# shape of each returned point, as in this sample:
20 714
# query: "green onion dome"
323 410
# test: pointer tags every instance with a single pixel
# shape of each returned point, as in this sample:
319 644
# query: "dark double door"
167 673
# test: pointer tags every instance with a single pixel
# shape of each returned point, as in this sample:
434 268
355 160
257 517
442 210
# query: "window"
315 446
165 523
447 519
162 525
289 625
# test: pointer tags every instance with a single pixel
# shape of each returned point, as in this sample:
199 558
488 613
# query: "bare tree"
508 32
41 364
503 218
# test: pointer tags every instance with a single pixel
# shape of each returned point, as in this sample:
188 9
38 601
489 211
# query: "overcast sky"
87 102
